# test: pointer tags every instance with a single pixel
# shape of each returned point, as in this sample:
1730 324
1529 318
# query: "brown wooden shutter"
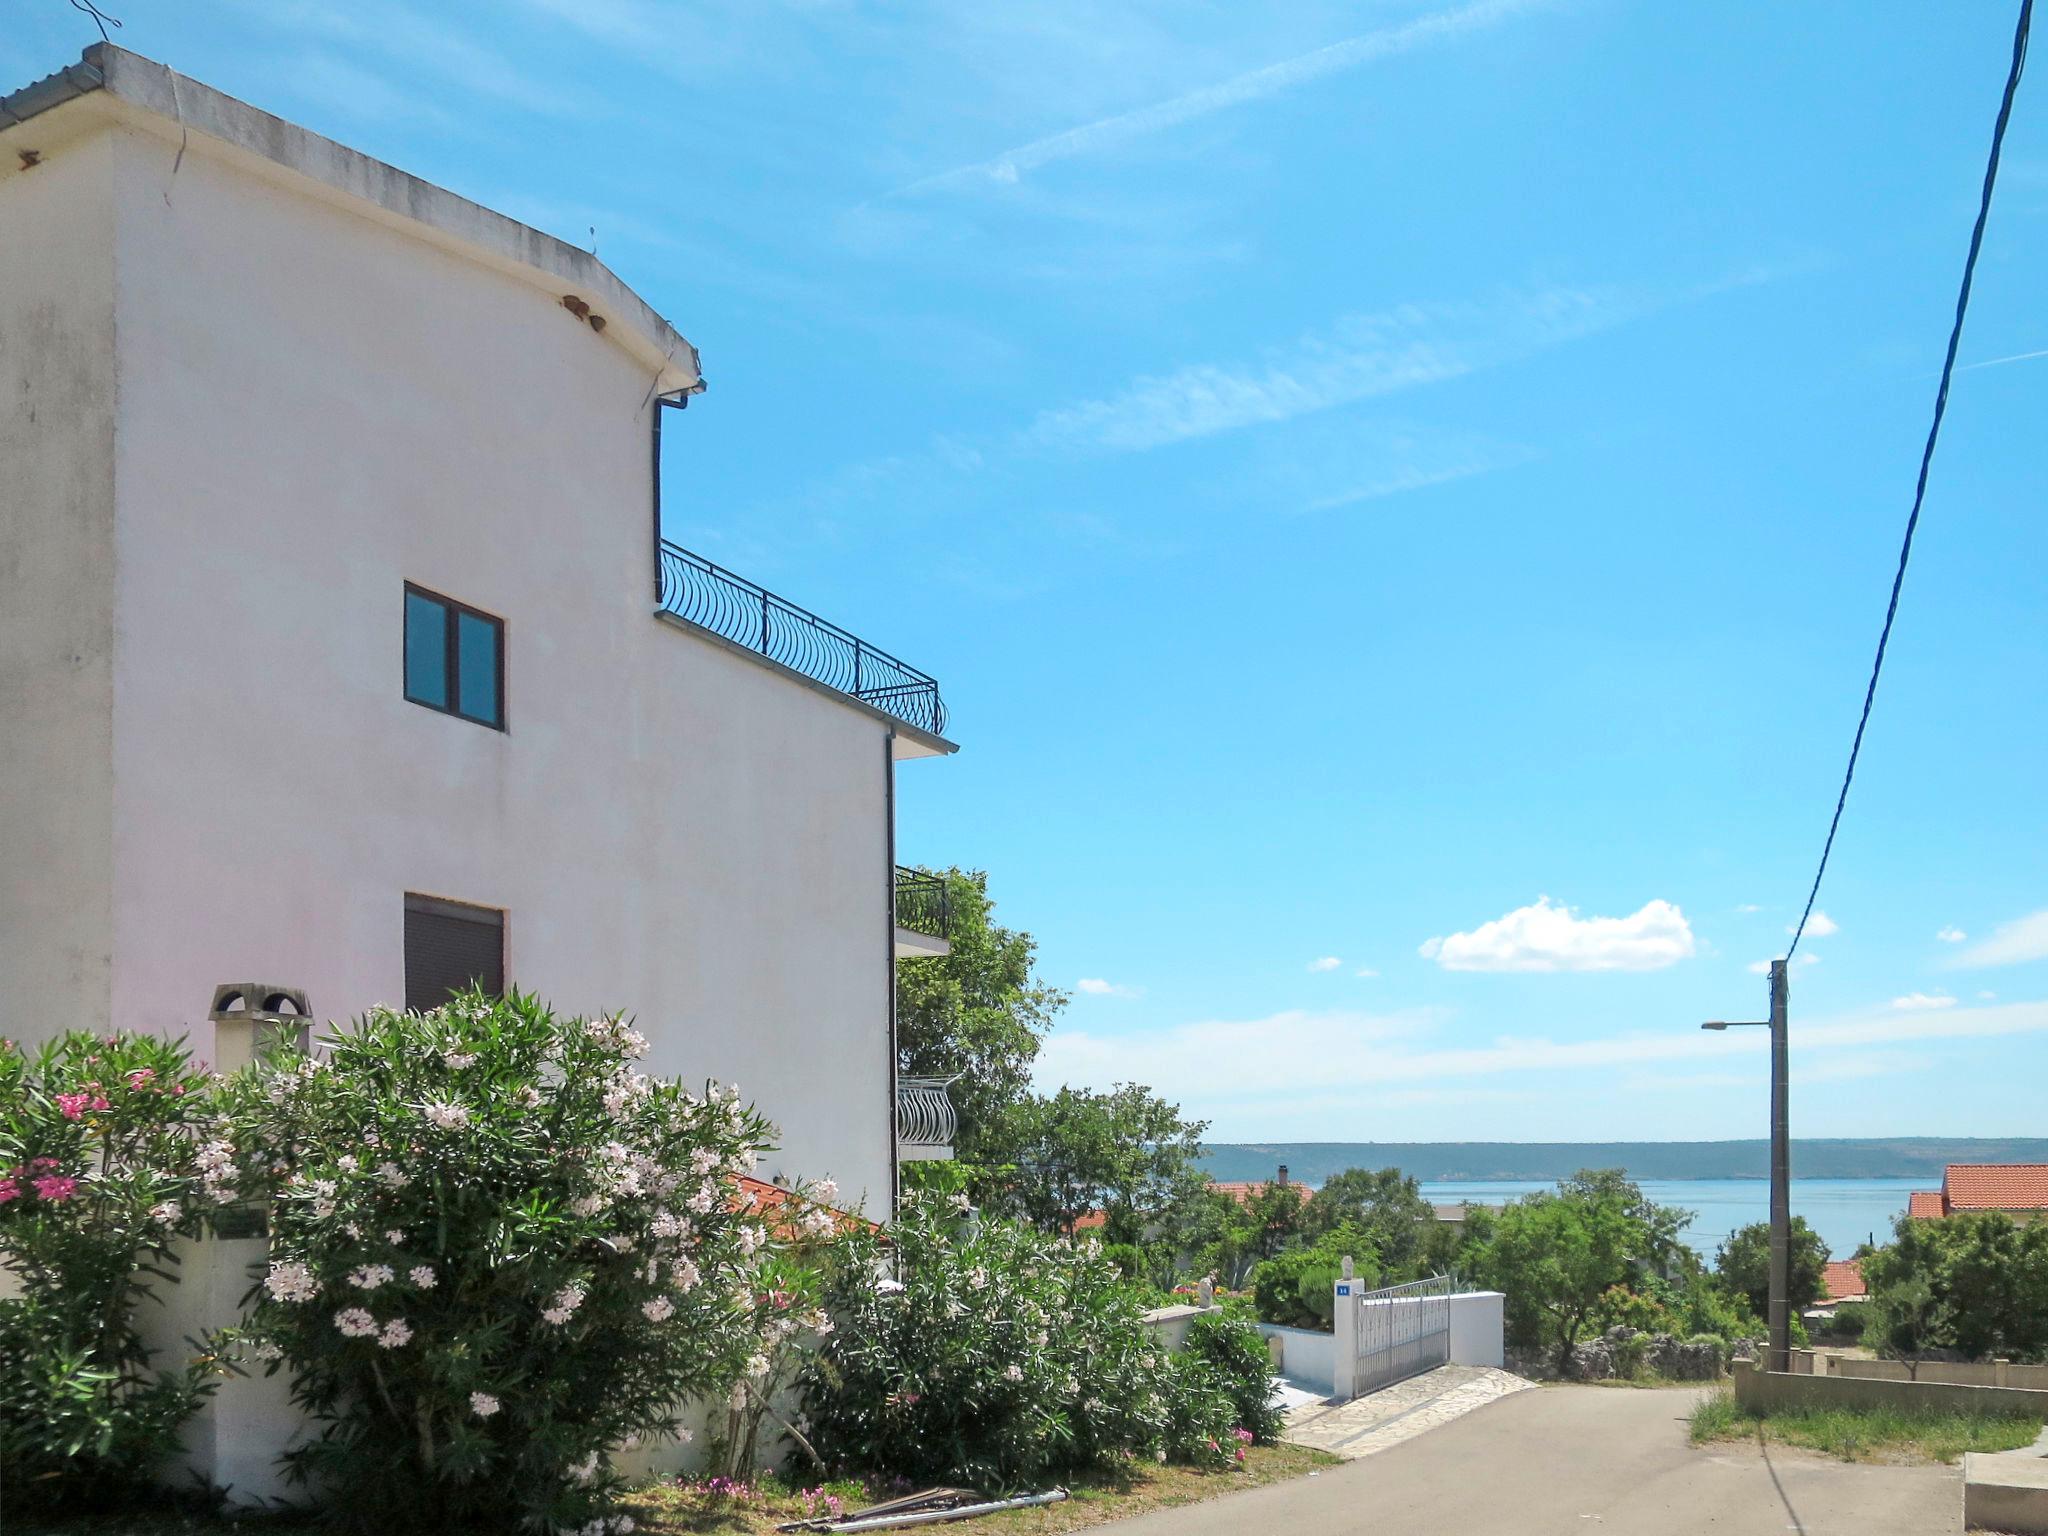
448 946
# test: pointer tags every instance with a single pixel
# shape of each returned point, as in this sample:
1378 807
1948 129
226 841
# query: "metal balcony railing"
713 598
921 902
924 1112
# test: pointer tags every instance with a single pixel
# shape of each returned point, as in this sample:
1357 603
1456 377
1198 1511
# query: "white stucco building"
339 649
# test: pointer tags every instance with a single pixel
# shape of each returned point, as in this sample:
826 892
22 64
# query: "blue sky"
1380 484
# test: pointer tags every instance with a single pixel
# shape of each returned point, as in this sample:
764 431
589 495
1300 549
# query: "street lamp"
1779 1357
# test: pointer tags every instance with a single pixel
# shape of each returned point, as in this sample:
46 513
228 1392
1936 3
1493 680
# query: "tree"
1383 1202
1554 1256
977 1013
1975 1283
1664 1248
1126 1153
1744 1265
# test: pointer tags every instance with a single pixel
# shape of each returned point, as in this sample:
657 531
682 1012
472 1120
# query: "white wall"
57 572
1479 1328
314 409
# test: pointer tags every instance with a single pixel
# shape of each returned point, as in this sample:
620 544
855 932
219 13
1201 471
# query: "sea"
1844 1212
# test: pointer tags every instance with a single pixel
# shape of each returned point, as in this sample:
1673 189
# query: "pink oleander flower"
72 1105
9 1190
142 1077
54 1186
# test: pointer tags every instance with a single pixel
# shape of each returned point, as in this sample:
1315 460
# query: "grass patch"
1865 1434
673 1509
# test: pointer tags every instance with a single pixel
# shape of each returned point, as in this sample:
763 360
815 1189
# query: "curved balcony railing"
713 598
921 902
924 1112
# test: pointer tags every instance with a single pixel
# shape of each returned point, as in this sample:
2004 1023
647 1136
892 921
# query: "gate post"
1344 1322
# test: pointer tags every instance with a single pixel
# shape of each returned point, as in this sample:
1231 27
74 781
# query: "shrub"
1849 1320
1620 1307
1296 1288
1000 1357
1235 1352
498 1251
1127 1258
99 1139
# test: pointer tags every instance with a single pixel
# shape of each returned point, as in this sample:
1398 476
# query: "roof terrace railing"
713 598
925 1116
921 902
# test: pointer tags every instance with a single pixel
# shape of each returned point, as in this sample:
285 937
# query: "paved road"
1569 1461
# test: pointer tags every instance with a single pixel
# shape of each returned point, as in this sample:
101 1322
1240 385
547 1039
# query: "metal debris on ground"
931 1507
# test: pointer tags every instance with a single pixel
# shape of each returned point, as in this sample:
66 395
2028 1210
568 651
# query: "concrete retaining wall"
1307 1357
1768 1391
1978 1373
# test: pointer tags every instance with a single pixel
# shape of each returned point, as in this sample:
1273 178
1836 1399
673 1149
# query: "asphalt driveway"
1571 1460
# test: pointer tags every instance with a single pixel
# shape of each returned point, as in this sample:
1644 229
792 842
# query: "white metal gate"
1401 1331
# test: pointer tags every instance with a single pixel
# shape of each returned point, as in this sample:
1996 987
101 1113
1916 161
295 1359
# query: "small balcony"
921 915
925 1121
752 619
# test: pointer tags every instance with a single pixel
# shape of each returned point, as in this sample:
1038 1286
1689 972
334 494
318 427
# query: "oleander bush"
99 1141
1234 1351
996 1356
498 1253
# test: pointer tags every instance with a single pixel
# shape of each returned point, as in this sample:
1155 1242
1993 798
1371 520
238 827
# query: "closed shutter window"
449 947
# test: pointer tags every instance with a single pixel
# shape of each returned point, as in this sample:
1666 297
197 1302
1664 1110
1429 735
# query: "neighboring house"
340 648
2019 1190
1842 1281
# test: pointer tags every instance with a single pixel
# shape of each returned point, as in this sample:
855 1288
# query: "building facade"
339 648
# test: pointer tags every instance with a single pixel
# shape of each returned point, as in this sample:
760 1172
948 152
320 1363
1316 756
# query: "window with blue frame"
454 658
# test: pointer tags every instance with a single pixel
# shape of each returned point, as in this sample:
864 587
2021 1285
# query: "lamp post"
1780 1354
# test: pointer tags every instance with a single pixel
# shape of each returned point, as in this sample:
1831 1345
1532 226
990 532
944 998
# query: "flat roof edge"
182 104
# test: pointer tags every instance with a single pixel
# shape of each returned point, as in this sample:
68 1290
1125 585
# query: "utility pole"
1779 1357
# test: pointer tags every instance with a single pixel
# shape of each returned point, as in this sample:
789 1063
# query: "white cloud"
1366 971
1010 167
1549 937
2023 939
1987 996
1951 934
1748 907
1818 926
1915 1002
1095 986
1327 963
1763 967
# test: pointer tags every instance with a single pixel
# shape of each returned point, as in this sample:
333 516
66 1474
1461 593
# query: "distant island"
1881 1157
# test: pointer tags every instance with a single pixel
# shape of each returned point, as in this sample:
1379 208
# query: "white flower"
394 1237
622 1243
826 1190
368 1277
393 1175
291 1281
482 1404
659 1310
1013 1373
527 1096
564 1305
702 1201
422 1275
355 1323
445 1116
888 1287
1160 1457
624 1525
961 1203
458 1060
757 1366
584 1470
587 1205
977 1278
396 1332
268 1349
684 1277
750 1238
345 1163
322 1209
816 1222
166 1213
666 1224
686 1435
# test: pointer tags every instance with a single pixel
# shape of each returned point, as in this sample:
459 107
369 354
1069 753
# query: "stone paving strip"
1401 1412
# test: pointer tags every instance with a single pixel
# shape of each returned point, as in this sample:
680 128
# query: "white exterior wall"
57 567
315 408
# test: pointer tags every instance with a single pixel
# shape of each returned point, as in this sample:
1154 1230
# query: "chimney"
1283 1175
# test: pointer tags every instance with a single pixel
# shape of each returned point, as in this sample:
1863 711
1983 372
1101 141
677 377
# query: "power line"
1948 368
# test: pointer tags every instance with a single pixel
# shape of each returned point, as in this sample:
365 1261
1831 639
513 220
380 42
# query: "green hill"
1884 1157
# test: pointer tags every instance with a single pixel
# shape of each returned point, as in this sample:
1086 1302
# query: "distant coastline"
1884 1157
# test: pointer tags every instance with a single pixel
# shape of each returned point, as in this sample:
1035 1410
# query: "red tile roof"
1245 1191
1843 1280
1090 1221
1925 1204
1996 1187
757 1197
